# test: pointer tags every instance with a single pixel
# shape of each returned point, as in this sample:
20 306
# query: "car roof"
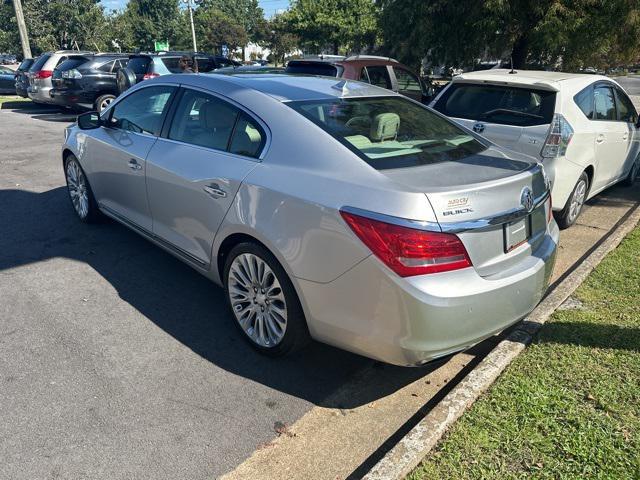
538 78
285 87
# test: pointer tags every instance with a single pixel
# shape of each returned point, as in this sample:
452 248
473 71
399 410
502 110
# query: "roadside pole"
22 28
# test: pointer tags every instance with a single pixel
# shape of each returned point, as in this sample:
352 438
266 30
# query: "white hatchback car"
584 128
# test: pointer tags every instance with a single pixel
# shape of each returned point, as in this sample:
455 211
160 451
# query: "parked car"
88 80
584 128
326 208
144 66
41 72
7 81
22 77
380 71
8 59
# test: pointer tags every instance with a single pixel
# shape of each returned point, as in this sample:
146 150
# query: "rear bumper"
408 321
66 97
40 95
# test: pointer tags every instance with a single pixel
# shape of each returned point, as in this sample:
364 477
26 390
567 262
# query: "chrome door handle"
215 191
134 165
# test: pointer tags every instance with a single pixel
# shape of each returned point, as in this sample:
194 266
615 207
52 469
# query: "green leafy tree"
278 39
569 33
245 13
214 29
153 20
339 25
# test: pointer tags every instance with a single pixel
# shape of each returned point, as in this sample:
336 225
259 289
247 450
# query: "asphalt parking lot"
118 361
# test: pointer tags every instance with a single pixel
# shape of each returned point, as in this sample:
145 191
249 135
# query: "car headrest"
385 126
214 115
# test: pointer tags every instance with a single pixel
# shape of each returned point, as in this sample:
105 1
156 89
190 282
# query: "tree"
340 25
154 20
278 39
541 33
245 13
215 29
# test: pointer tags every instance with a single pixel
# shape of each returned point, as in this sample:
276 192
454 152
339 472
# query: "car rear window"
390 132
72 63
139 65
313 68
25 64
39 62
172 64
498 104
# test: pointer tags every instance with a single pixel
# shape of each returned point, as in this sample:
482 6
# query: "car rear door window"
172 64
107 67
143 110
408 83
584 101
204 120
379 76
247 138
139 65
626 110
605 104
498 104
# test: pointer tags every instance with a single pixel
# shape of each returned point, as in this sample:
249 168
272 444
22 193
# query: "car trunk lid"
480 198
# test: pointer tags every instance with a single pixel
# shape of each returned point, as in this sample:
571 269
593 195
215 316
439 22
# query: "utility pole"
193 29
22 28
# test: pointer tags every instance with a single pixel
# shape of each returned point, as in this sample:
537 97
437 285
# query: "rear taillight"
408 251
559 137
148 76
73 73
43 74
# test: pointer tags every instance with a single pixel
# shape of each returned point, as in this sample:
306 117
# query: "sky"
270 7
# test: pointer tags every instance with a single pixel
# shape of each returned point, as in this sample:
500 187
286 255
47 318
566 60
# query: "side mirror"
89 121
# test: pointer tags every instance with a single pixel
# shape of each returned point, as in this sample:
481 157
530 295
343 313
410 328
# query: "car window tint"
363 76
139 65
122 63
205 64
390 132
107 67
311 68
379 76
25 65
203 120
498 104
143 110
172 64
408 83
626 110
604 104
247 138
584 100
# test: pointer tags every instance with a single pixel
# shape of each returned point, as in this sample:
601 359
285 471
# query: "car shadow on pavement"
184 304
38 111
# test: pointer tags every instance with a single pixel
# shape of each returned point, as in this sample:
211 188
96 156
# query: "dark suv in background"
380 71
22 77
88 80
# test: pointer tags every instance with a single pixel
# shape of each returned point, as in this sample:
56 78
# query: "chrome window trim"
453 227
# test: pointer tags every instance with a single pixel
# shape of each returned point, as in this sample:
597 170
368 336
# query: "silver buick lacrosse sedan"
327 209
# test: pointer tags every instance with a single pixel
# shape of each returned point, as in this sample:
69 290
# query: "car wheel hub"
77 189
257 300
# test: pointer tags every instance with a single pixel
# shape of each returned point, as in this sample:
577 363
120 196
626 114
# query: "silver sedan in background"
326 208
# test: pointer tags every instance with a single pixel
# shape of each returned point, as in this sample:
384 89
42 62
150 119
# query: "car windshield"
390 132
522 107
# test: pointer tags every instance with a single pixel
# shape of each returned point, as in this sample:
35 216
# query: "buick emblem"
478 127
526 199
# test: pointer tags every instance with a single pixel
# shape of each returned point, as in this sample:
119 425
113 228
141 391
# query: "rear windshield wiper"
498 111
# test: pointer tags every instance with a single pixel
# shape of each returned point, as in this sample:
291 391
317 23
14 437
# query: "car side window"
143 110
204 120
247 138
584 101
626 110
379 76
604 104
363 76
408 83
107 67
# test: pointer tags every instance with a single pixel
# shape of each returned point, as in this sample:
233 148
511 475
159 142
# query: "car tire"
255 283
571 211
80 193
103 102
634 173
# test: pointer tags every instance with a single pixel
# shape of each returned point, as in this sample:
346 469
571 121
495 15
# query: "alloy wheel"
77 185
105 103
257 300
577 201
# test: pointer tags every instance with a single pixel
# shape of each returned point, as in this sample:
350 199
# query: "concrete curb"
415 445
